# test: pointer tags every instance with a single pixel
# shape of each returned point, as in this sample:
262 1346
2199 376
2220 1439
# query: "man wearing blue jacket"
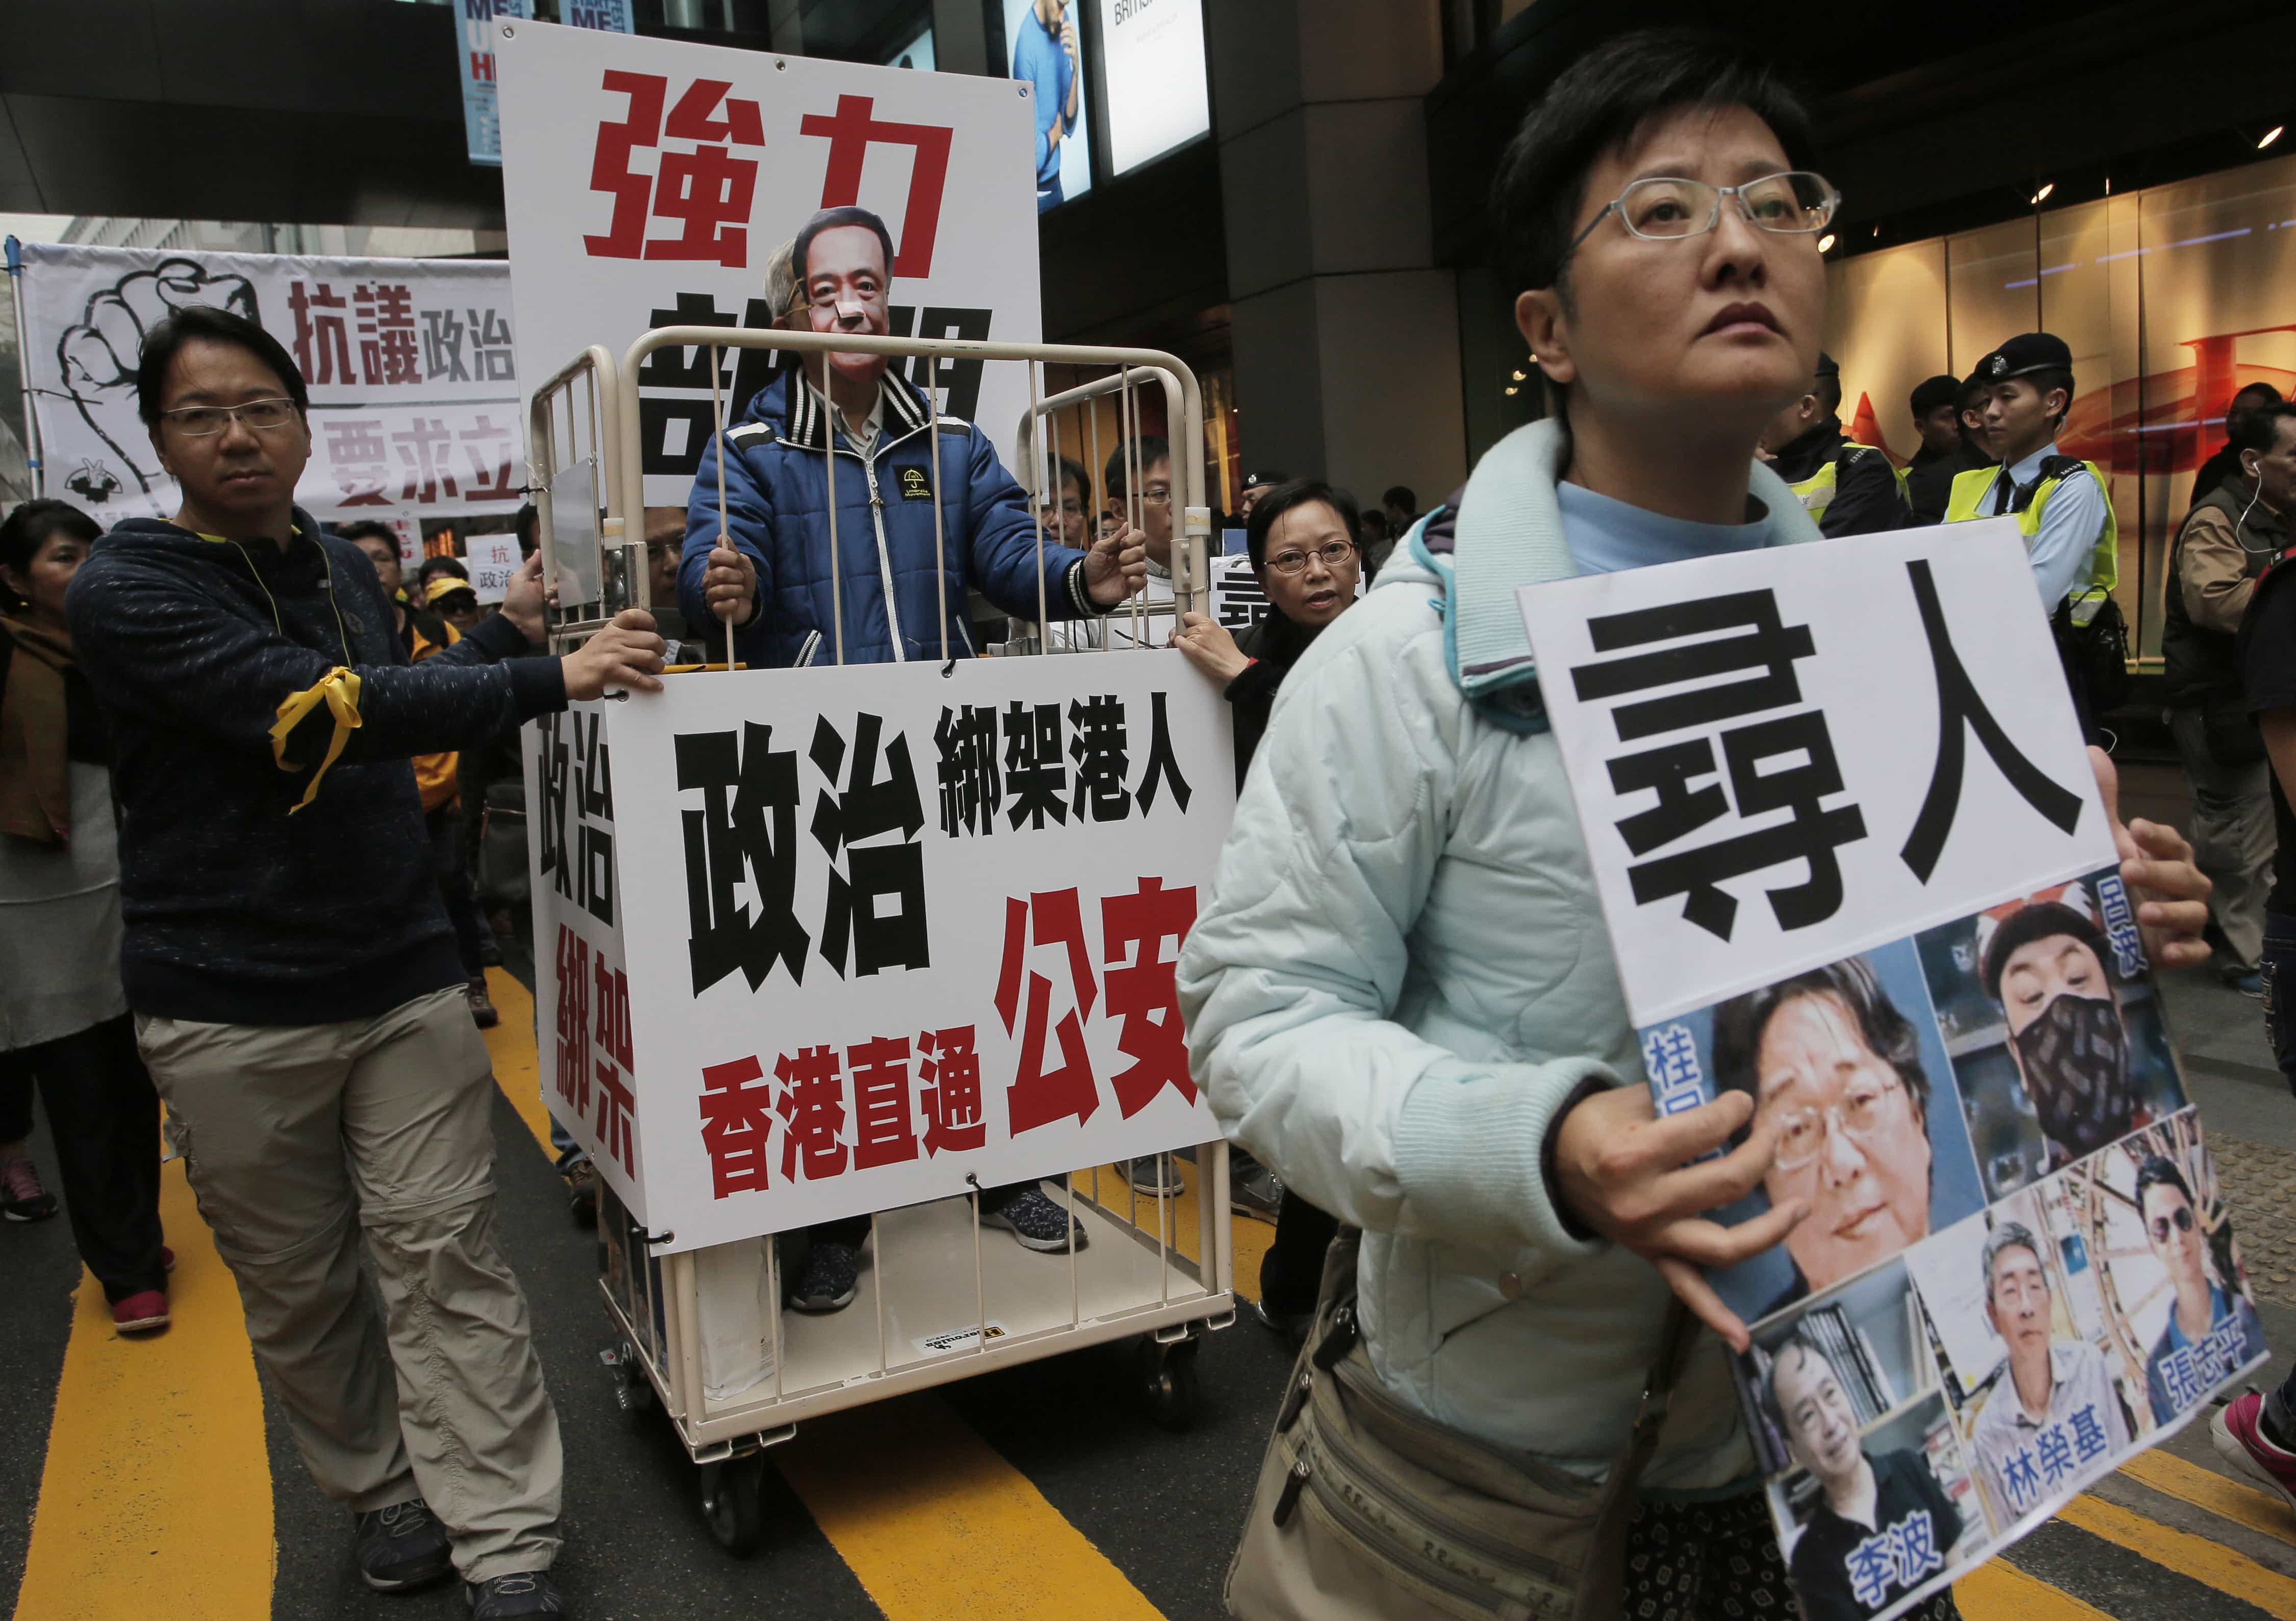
298 995
767 570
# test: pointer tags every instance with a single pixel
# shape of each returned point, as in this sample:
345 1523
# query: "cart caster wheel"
730 1502
1167 1382
633 1390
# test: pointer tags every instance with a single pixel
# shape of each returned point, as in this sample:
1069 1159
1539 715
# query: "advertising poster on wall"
910 932
1047 54
409 363
649 181
1153 66
1856 867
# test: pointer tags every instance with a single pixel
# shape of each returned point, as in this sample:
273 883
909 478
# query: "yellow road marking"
2000 1591
155 1498
935 1523
2204 1488
2217 1565
511 1044
1248 1237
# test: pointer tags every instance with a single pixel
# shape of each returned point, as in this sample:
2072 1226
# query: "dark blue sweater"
237 911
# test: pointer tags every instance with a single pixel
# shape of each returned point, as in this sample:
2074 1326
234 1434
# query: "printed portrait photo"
2176 1296
1846 1059
1869 1482
2055 1028
2047 1403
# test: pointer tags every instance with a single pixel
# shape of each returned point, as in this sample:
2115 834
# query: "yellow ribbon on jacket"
338 690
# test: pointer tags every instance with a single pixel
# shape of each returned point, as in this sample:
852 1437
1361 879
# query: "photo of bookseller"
1829 1056
1883 1524
2053 1414
2212 1331
2045 961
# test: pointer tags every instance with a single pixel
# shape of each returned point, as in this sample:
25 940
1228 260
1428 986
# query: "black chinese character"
594 795
684 369
971 790
1161 766
1035 776
866 810
1960 705
1767 646
723 838
554 775
1103 760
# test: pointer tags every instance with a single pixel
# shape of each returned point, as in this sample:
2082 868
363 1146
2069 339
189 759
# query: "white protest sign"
409 363
1239 601
647 181
815 943
493 559
1781 757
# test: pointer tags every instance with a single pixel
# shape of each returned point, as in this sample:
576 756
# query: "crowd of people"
255 783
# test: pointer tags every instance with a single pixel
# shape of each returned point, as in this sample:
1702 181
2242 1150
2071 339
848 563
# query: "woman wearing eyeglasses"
1400 992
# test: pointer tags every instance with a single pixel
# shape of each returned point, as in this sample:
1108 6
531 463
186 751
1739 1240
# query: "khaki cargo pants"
295 1138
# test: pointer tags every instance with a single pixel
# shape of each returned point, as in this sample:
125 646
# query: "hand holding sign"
1116 568
2156 861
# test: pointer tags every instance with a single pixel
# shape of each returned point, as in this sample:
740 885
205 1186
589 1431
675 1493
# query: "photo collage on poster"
2017 1268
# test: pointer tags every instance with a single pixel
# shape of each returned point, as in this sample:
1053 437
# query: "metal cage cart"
702 1332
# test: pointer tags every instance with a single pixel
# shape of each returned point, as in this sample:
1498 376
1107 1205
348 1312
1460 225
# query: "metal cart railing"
1160 1268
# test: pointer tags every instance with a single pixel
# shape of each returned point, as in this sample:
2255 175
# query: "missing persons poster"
1853 862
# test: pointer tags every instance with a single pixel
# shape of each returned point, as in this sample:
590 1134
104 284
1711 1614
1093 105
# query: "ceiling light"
2271 136
1511 389
1519 376
1825 242
2042 195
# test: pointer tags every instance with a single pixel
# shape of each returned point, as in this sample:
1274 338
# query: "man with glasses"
2212 1330
297 991
2051 1398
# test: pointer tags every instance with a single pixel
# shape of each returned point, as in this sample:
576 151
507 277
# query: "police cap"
1827 366
1934 393
1264 480
2026 353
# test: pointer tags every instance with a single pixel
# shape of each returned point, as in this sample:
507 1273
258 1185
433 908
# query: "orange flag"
1866 431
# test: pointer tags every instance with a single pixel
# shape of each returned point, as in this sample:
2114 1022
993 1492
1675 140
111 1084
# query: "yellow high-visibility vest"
1816 493
1968 497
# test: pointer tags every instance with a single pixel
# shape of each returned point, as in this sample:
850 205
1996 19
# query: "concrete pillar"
1346 331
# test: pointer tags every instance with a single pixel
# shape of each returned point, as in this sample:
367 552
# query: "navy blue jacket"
237 911
777 512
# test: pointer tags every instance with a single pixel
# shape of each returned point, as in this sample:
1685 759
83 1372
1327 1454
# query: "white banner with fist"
414 389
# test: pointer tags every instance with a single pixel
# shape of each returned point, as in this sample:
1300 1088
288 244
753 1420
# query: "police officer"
2062 508
1848 489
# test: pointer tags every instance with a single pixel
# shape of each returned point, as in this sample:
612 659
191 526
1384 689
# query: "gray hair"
784 292
2008 1235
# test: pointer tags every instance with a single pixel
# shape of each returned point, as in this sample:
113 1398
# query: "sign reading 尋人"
1853 863
822 942
649 181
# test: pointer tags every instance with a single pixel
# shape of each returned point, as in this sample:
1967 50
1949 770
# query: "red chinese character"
1035 1097
1143 992
736 1119
386 328
614 1105
884 1123
708 189
812 1109
950 1070
610 164
422 451
850 132
613 1033
490 449
573 1019
323 351
359 461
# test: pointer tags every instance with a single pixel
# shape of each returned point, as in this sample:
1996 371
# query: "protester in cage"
2211 1330
294 978
2224 543
1400 992
2044 1384
1845 487
424 632
764 566
63 1016
1945 449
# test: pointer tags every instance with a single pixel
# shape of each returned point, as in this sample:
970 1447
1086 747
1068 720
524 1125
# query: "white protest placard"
492 560
1764 771
815 943
409 363
1853 863
1238 601
646 182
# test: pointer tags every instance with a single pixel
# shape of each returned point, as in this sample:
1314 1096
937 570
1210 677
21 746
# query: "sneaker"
526 1594
22 1198
1255 1190
482 1006
2246 978
1290 1327
2238 1431
832 1276
582 1193
140 1312
1155 1176
402 1547
1035 1220
489 953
